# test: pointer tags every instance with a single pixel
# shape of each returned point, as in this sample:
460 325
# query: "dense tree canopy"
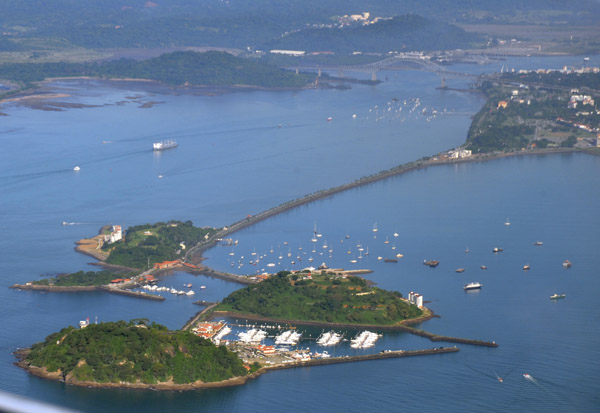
134 352
326 298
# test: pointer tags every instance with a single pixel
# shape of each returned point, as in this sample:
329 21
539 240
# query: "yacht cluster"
329 338
173 291
288 338
366 339
252 336
402 110
317 249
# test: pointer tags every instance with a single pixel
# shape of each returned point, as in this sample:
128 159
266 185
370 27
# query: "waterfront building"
115 235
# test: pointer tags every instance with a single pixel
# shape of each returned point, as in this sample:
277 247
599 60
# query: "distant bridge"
400 62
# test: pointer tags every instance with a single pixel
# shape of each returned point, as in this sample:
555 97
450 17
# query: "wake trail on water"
65 223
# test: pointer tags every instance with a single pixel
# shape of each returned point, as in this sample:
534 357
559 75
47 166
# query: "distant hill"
239 23
177 68
401 33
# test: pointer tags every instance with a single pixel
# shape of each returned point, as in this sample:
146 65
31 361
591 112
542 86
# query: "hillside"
536 110
133 352
147 244
401 33
320 297
237 23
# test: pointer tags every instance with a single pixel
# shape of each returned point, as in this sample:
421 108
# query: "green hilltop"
320 297
133 352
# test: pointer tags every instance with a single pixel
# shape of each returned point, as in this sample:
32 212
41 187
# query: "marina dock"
386 354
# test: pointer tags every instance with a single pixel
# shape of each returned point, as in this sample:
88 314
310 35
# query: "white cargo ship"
163 145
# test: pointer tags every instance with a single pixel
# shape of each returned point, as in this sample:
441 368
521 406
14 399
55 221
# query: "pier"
386 354
435 337
129 293
198 315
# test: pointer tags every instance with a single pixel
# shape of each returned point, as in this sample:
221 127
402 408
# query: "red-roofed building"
166 264
266 350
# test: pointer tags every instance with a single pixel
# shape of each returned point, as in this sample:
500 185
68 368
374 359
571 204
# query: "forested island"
145 245
131 354
535 111
81 279
175 69
321 296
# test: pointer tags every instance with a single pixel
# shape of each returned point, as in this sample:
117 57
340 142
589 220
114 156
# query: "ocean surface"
244 152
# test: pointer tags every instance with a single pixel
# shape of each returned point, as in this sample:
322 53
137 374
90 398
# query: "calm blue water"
234 160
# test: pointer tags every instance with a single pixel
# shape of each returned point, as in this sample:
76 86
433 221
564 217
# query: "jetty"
385 354
198 316
435 337
129 293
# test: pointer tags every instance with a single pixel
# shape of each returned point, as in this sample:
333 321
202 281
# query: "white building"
115 235
415 298
462 153
289 52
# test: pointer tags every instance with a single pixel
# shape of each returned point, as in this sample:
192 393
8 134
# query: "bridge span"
399 62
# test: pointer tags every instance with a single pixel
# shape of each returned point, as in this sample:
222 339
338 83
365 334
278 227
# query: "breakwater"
198 316
227 276
386 354
78 289
129 293
435 337
194 254
403 326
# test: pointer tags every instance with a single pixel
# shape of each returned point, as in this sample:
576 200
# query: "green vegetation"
324 297
137 351
81 278
151 24
178 68
532 111
155 243
401 33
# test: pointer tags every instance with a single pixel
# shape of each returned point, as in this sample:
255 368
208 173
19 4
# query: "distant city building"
289 52
502 104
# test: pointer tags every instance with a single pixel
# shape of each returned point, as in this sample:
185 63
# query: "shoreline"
85 288
234 381
400 326
32 92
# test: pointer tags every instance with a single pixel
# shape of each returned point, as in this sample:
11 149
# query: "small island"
322 298
131 258
135 354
